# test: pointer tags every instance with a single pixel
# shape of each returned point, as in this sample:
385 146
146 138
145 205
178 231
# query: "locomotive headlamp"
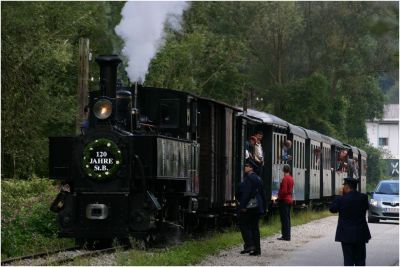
102 109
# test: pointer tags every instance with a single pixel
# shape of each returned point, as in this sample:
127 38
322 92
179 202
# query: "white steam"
142 29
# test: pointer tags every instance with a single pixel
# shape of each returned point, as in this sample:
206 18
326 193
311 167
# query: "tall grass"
27 224
193 251
29 227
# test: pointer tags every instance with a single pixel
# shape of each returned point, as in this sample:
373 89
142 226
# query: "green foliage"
316 64
40 50
313 111
27 224
214 62
374 167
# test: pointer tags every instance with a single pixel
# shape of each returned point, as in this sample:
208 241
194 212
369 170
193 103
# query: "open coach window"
169 113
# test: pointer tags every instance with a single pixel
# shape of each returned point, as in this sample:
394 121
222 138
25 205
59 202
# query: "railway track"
58 257
172 234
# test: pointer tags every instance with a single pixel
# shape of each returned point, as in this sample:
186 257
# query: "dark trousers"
284 211
248 225
354 254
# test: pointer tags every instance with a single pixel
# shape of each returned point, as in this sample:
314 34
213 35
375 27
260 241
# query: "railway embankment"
29 227
205 250
27 224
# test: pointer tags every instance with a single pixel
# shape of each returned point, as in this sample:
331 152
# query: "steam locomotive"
154 155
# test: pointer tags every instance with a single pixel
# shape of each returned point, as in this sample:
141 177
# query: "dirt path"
274 251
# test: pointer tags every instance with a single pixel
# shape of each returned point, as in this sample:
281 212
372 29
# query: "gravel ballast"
273 251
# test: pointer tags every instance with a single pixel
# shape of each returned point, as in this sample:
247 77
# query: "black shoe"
284 239
244 251
255 253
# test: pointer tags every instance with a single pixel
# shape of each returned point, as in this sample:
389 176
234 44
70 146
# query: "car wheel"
373 220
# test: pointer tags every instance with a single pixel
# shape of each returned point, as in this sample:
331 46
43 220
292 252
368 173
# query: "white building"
384 133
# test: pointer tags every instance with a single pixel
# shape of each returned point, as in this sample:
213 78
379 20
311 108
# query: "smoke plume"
142 29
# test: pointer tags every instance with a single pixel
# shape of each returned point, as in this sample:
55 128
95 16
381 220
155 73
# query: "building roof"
390 114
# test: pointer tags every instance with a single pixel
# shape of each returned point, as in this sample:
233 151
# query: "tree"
39 59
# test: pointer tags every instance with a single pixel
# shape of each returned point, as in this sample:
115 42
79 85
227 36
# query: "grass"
27 224
194 251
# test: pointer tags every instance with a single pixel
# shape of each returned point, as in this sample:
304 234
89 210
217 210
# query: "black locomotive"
154 155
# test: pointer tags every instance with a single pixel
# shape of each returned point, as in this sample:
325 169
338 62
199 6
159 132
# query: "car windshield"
388 188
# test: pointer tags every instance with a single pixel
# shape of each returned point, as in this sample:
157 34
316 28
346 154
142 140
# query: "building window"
383 141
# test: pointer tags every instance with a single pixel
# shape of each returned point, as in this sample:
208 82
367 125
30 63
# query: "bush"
28 226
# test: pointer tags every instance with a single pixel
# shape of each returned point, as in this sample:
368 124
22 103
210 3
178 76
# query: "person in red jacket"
285 201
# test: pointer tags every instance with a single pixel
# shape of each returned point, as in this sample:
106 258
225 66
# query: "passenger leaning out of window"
258 150
250 147
285 150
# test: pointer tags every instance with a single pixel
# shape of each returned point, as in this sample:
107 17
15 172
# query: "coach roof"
363 153
267 118
313 135
297 130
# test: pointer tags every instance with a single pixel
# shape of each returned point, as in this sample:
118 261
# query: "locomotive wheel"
150 238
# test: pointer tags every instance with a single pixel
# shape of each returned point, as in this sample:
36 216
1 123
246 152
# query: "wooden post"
83 81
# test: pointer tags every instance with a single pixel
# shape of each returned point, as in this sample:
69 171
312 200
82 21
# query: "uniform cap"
250 163
350 180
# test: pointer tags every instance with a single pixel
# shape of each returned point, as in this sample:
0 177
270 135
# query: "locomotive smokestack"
108 74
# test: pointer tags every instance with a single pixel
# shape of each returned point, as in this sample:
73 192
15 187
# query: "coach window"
327 158
274 149
296 154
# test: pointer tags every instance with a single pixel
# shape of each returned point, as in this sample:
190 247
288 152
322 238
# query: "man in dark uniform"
249 213
352 229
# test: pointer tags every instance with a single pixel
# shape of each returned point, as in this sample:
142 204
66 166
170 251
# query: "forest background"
327 66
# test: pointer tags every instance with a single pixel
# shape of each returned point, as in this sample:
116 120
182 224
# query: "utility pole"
83 81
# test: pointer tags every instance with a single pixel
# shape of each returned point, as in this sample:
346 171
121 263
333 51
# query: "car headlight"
373 202
102 109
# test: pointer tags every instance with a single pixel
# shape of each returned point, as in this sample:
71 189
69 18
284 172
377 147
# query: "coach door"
339 174
326 170
315 158
363 171
277 162
354 168
298 166
228 157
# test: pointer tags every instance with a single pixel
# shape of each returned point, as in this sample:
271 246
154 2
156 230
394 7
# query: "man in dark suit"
249 212
352 229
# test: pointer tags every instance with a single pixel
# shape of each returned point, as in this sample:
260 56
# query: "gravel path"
272 250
